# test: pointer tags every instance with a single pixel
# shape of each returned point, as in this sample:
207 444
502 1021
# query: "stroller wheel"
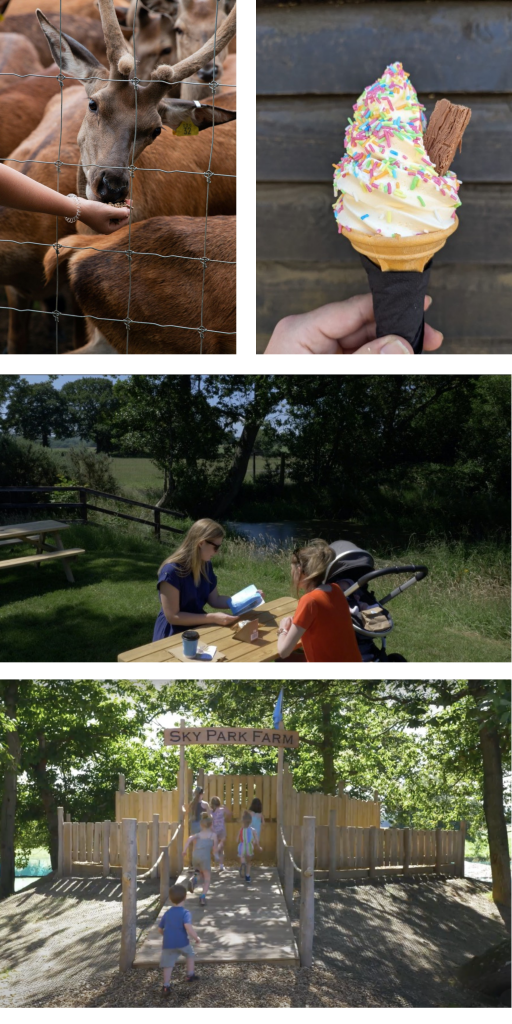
394 657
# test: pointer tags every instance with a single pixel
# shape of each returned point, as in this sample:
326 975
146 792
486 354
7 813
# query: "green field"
459 613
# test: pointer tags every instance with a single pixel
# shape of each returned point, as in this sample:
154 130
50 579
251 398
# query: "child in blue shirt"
177 930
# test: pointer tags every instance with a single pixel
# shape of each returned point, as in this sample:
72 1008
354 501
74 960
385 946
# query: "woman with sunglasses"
186 582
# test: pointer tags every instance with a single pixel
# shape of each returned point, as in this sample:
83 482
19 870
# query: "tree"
10 759
90 407
472 723
168 419
62 728
24 464
36 411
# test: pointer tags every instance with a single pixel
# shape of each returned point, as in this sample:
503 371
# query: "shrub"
92 469
23 464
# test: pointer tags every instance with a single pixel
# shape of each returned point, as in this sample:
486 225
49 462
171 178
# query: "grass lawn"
459 613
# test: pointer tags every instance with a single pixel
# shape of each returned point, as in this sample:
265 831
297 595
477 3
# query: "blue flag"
278 710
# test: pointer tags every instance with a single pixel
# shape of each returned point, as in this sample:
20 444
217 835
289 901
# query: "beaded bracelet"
73 220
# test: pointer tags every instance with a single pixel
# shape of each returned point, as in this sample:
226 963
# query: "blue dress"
192 598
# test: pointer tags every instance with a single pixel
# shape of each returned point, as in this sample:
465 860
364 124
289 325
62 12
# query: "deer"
194 24
81 8
124 118
159 192
154 36
18 56
85 30
165 291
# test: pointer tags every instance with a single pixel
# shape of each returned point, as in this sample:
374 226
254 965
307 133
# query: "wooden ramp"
241 922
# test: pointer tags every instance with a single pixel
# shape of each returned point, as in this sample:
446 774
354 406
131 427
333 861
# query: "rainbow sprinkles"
388 183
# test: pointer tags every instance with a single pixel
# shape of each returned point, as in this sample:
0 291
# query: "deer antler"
120 61
187 67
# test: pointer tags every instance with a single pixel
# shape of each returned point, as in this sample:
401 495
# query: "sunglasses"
212 545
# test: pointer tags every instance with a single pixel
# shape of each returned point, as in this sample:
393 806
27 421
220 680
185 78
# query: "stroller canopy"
350 562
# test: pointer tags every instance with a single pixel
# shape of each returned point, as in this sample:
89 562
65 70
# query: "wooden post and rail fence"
84 506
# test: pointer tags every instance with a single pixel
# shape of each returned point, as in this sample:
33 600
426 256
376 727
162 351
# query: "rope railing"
287 868
201 328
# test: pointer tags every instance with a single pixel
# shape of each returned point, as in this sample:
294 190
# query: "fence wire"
201 330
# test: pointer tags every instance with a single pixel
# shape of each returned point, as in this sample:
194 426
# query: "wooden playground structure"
306 836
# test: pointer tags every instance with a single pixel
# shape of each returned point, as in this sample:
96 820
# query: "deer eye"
167 50
93 105
156 132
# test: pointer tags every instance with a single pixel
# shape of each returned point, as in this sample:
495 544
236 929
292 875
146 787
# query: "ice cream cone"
410 253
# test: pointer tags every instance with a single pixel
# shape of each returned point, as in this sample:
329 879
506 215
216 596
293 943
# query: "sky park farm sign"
222 734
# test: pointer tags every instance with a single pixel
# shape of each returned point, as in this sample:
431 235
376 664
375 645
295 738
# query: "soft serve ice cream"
387 181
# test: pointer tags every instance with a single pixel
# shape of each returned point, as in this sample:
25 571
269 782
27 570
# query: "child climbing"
202 843
257 819
247 840
220 814
177 930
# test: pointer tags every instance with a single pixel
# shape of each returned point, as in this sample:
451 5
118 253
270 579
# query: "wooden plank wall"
314 59
353 850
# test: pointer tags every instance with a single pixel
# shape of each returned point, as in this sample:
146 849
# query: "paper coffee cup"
190 640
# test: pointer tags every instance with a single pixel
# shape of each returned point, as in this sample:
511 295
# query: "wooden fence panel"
142 844
115 843
266 798
322 847
74 840
82 841
90 840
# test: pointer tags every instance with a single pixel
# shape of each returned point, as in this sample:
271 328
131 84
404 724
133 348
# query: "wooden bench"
10 563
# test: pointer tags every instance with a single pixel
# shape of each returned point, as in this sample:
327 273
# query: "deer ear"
71 57
175 112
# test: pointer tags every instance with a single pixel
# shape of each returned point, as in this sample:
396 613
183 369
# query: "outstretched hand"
102 218
343 328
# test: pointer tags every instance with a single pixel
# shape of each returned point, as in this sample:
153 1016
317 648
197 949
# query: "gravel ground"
395 944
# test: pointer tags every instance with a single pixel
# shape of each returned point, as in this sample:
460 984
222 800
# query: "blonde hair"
187 556
313 561
214 802
205 820
246 818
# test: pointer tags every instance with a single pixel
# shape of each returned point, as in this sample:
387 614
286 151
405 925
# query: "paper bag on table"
247 630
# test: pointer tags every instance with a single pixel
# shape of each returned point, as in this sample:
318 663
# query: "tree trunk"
236 476
327 748
494 811
48 801
8 813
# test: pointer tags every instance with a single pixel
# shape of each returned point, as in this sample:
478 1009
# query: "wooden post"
122 789
96 853
105 841
332 847
279 796
181 777
288 878
407 850
60 822
180 839
164 876
155 830
307 892
67 837
462 849
439 851
374 835
83 501
129 888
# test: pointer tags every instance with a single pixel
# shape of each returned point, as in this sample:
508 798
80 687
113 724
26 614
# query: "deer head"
154 39
124 117
194 24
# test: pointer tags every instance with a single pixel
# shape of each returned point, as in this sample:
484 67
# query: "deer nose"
112 189
208 73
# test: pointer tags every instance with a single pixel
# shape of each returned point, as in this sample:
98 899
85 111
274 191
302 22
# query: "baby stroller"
352 568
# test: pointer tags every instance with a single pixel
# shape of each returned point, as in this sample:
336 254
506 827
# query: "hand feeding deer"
106 138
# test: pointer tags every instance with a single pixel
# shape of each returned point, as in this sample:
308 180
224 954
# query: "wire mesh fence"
200 329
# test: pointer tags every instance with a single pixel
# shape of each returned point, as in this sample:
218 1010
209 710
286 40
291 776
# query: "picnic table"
262 649
35 534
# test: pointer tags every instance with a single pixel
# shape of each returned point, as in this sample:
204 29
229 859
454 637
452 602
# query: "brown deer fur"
81 8
25 107
17 57
88 31
164 290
